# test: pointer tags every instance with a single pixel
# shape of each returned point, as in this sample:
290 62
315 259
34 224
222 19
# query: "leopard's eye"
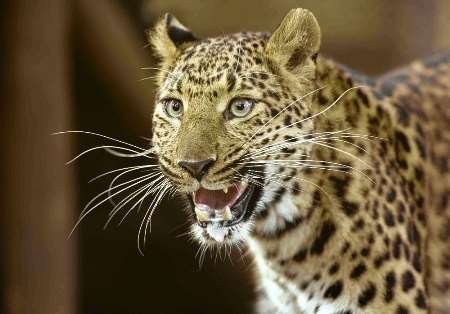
240 107
173 107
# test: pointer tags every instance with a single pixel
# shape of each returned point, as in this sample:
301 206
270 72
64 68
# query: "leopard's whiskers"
159 185
148 176
87 210
133 168
320 140
282 110
163 188
140 202
100 135
125 201
116 178
238 177
273 147
203 247
300 139
301 179
341 151
148 189
309 117
276 175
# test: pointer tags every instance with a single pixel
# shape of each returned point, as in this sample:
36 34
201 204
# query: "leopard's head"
226 105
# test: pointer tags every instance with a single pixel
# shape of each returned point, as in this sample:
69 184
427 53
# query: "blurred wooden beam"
38 201
118 53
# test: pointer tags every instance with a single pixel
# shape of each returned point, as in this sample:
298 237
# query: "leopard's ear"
169 37
296 39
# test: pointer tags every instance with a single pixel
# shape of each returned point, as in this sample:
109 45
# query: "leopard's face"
224 107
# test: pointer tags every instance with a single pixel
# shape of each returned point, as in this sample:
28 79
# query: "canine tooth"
225 190
227 213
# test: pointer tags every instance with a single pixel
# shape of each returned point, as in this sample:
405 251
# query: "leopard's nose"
197 168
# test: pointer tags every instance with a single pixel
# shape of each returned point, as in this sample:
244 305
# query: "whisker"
327 135
120 169
277 147
325 168
137 154
300 162
148 215
123 202
251 180
101 147
342 151
148 78
308 163
312 183
157 185
337 139
284 109
149 191
149 176
183 234
99 135
111 184
87 211
316 114
290 142
203 250
313 141
147 187
271 178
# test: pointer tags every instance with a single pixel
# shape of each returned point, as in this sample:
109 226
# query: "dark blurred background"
76 65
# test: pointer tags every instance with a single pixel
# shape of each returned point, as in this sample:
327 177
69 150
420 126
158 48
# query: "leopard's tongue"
217 199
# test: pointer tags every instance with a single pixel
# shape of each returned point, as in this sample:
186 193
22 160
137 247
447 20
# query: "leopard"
337 183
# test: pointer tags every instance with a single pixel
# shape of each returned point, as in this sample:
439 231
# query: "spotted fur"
367 229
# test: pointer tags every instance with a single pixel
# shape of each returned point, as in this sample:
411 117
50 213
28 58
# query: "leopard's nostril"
197 168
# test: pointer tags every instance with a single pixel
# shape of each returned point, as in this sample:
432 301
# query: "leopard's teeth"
205 215
225 190
227 213
224 214
202 215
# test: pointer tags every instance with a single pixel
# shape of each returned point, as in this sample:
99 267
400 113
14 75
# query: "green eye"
240 107
173 107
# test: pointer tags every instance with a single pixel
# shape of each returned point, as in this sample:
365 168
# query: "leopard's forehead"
214 54
213 59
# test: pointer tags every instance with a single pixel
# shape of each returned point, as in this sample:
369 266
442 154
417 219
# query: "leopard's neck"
323 215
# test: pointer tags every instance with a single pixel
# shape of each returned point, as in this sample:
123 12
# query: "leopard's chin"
223 216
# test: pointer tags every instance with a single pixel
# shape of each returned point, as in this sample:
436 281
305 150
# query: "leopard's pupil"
176 106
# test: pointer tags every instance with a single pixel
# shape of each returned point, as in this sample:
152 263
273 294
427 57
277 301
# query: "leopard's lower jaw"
215 234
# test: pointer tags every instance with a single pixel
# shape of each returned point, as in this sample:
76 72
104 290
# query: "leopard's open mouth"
220 209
